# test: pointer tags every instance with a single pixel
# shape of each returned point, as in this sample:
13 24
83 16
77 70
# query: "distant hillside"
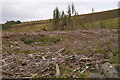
104 15
108 19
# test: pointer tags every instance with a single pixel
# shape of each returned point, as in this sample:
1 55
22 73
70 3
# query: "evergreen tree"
63 14
62 21
54 14
73 8
56 18
69 11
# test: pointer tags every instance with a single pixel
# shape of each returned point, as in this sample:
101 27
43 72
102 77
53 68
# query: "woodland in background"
9 23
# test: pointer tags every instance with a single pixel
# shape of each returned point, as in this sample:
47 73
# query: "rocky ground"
61 54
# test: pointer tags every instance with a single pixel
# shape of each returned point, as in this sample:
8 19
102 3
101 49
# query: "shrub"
29 42
28 52
114 61
102 24
52 39
44 29
47 39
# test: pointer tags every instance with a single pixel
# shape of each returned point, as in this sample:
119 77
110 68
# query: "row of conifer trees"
64 21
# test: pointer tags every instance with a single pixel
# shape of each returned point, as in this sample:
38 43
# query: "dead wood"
60 50
57 70
7 73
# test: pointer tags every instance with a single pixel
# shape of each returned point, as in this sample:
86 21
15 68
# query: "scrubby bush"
9 23
102 24
44 29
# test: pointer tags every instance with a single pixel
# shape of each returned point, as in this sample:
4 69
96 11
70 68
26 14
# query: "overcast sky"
27 10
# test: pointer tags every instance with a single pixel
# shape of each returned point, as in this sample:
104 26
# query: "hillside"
98 16
101 19
77 54
32 50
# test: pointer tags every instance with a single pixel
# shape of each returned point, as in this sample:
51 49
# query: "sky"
32 10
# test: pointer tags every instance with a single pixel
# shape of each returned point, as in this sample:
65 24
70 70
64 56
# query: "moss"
26 41
79 52
46 39
99 50
84 75
38 78
43 44
28 52
47 57
17 51
116 52
114 61
53 39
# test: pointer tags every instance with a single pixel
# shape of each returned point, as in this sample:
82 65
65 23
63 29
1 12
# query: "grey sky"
27 10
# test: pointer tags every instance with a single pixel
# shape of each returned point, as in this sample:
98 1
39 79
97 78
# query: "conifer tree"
56 18
73 8
69 11
62 21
